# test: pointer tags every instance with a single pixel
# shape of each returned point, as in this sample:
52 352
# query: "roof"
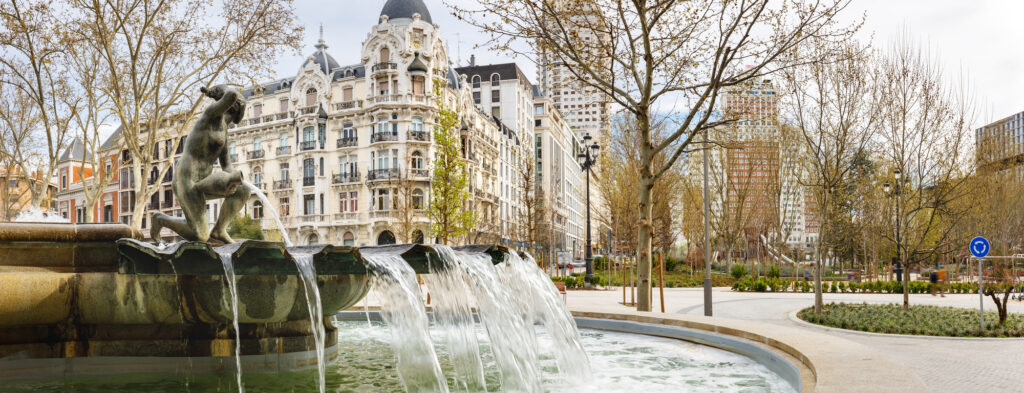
322 58
396 9
453 79
113 140
75 151
505 71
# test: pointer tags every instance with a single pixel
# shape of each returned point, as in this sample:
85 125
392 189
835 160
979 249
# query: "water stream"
229 275
307 273
403 310
453 316
267 206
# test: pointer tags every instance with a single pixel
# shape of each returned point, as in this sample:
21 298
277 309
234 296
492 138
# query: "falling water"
307 273
539 301
403 310
452 313
273 212
229 275
513 340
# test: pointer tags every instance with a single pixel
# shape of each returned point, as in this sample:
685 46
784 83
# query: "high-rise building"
999 146
559 178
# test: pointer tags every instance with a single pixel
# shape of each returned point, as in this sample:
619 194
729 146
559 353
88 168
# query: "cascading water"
273 212
539 301
452 313
403 310
229 275
513 341
307 273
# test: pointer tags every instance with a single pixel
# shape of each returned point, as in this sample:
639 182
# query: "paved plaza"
943 364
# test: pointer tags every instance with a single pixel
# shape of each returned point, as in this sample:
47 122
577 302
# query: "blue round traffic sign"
979 247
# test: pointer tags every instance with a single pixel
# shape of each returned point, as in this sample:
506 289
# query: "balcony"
284 150
420 173
307 145
166 204
383 137
348 142
384 67
282 184
379 214
313 218
282 116
420 136
255 154
233 157
422 99
260 186
308 110
347 216
388 99
308 181
343 178
353 104
382 174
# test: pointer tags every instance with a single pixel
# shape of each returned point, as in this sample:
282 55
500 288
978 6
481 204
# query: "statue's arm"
225 96
225 160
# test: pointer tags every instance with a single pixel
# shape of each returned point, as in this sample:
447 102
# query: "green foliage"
738 271
600 263
571 282
774 272
920 320
245 227
449 187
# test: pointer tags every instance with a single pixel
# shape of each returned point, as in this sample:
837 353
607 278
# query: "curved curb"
796 319
835 364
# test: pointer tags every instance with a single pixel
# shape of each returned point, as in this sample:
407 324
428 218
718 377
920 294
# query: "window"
343 202
257 175
346 94
347 132
476 81
257 144
63 182
385 55
382 200
417 199
496 111
108 213
311 97
476 97
283 104
321 166
308 135
382 159
353 201
284 207
181 146
257 209
156 151
231 148
284 139
308 171
308 205
382 87
417 124
348 239
538 109
284 171
417 160
495 96
382 125
168 147
495 80
257 110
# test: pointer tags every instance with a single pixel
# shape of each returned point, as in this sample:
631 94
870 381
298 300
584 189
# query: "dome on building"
396 9
320 57
418 65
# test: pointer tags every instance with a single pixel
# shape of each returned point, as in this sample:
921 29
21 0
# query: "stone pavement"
944 365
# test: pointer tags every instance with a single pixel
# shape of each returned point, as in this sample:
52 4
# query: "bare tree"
156 54
926 130
33 62
639 53
833 105
532 219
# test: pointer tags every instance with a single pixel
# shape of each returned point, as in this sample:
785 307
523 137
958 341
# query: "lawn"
920 320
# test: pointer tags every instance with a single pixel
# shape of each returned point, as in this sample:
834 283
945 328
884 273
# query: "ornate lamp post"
893 191
587 158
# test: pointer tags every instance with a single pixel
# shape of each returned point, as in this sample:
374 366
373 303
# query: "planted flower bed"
772 284
920 320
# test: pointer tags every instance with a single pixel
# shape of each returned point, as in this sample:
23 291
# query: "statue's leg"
176 224
232 205
193 205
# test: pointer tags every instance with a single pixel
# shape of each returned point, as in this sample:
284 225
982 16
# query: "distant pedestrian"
934 278
942 280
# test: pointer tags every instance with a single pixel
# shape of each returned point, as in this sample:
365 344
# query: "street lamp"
893 191
587 158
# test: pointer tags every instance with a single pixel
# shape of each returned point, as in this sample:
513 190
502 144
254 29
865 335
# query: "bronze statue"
195 180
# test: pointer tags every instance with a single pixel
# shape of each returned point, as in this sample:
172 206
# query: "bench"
561 288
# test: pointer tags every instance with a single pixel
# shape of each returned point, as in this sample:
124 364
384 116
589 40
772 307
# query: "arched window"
385 55
417 199
416 162
257 209
348 239
417 236
385 238
476 81
311 97
257 176
495 80
313 240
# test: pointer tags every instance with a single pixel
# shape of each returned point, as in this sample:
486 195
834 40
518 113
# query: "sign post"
979 248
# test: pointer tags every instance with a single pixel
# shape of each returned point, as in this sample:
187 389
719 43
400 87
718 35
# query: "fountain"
80 300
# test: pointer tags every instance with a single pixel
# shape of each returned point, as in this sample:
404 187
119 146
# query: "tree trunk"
141 199
644 238
906 287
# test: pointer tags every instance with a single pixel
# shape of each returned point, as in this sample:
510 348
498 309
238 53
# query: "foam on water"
35 214
402 308
229 275
307 274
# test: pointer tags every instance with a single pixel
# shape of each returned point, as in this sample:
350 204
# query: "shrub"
774 272
920 320
738 271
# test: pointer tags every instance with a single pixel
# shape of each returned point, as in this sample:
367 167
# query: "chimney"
472 60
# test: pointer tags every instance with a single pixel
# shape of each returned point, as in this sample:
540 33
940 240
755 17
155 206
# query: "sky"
977 38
